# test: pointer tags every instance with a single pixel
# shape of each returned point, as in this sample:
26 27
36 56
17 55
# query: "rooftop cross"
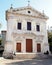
28 2
11 6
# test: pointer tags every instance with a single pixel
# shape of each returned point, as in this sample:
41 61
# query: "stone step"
30 56
26 56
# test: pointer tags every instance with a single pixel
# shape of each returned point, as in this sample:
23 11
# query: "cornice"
20 14
16 10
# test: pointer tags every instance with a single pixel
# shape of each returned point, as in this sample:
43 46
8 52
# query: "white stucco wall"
12 29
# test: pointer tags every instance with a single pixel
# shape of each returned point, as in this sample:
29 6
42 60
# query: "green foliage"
50 38
0 42
50 44
50 41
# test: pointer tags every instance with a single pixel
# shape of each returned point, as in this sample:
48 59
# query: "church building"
26 31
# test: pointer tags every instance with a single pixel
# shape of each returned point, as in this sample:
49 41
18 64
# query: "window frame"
38 27
29 26
19 25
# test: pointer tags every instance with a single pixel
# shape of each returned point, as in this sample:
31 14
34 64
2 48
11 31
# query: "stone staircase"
31 56
27 56
24 56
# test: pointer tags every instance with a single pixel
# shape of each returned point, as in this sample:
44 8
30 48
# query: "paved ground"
26 62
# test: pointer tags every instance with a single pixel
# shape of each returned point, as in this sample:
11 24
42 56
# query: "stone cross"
28 2
11 6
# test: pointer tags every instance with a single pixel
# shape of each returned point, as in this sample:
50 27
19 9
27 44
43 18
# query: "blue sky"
39 5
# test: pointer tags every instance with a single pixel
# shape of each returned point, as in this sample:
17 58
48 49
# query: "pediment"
25 11
29 11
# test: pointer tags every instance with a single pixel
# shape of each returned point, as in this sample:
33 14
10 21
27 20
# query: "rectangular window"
37 27
28 25
19 26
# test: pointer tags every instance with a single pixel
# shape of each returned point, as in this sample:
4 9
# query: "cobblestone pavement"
25 62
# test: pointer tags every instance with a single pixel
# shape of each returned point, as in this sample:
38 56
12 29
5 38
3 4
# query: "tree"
0 42
50 40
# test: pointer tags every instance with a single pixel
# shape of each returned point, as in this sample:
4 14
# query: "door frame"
18 44
38 47
27 50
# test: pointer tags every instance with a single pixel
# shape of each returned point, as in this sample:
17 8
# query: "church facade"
26 31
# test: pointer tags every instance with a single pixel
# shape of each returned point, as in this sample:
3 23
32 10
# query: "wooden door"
28 45
38 47
18 47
